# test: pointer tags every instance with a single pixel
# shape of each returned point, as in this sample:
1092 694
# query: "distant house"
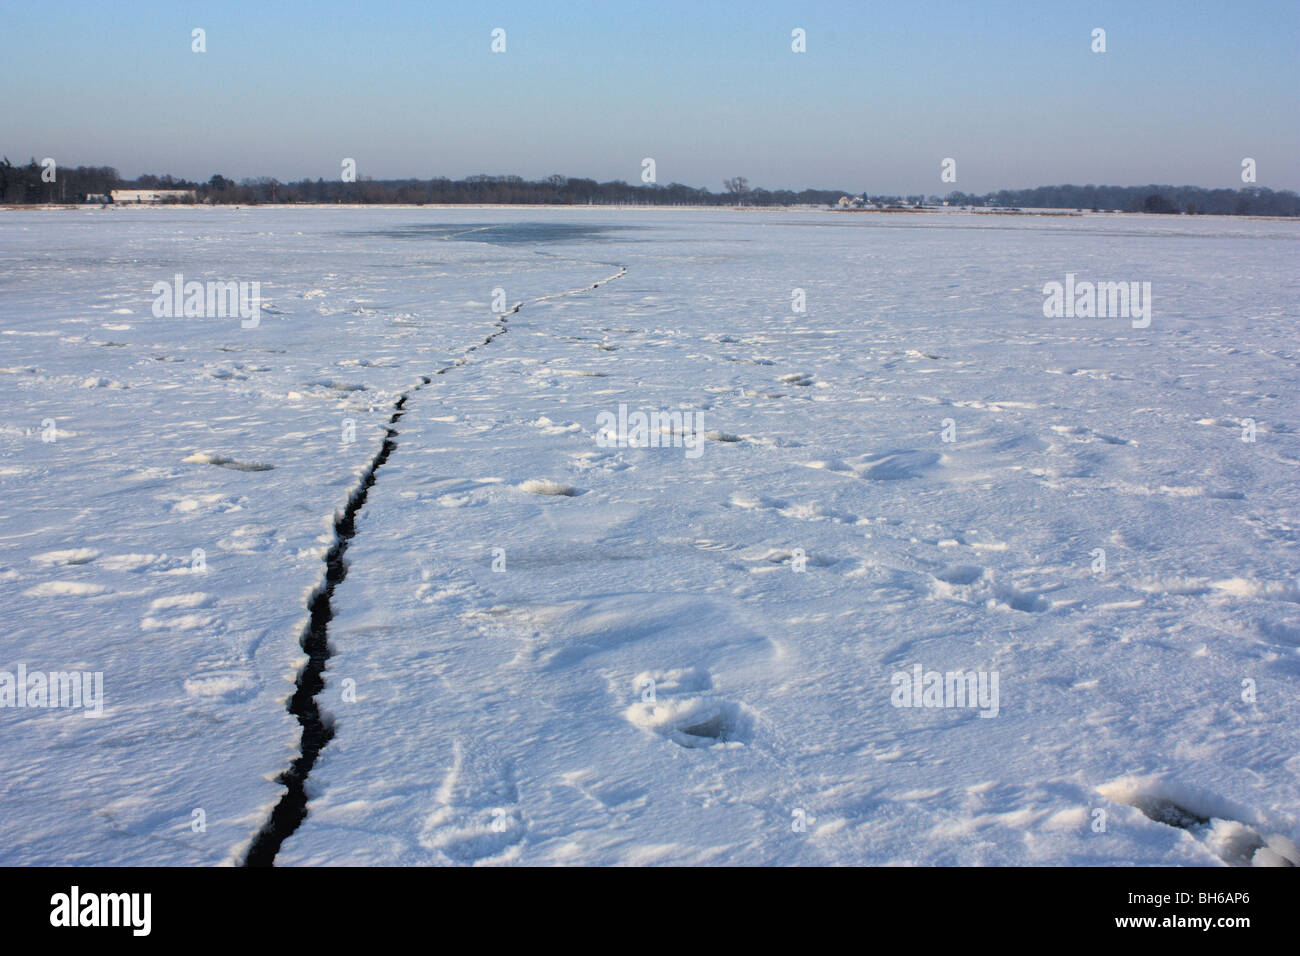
97 197
151 195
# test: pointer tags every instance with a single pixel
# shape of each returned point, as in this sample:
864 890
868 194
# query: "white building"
151 195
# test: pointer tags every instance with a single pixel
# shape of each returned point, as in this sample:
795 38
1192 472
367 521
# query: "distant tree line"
506 190
24 184
1192 200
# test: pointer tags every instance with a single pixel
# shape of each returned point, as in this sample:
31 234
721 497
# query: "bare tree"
737 186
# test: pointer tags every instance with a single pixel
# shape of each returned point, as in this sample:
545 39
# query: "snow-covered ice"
556 646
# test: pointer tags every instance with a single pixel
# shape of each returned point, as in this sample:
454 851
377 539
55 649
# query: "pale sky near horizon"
1011 90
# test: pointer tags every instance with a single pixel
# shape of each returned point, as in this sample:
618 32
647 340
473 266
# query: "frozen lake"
565 638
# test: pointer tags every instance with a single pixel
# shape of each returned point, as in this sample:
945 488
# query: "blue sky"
709 89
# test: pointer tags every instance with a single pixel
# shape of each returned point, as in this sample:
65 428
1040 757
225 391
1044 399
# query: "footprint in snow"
221 461
1230 832
478 817
680 705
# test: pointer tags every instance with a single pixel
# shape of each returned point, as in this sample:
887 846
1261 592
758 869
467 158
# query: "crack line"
289 813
